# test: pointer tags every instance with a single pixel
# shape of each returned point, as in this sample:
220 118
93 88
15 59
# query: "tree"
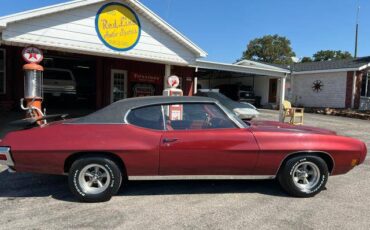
270 49
329 55
306 59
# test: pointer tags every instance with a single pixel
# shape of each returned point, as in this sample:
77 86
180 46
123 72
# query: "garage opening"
69 82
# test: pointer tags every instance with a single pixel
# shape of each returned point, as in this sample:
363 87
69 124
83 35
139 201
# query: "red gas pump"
174 112
33 78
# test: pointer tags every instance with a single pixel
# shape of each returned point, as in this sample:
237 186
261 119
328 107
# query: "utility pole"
356 39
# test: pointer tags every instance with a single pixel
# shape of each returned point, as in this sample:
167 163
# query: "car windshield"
235 117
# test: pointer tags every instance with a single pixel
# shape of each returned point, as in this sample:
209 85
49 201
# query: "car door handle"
169 140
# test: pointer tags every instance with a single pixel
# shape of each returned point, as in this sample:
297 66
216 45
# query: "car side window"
196 116
147 117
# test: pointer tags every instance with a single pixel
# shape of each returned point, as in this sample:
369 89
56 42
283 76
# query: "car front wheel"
94 179
304 176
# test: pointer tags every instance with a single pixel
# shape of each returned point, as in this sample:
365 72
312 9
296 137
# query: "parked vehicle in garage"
59 83
244 111
240 93
178 137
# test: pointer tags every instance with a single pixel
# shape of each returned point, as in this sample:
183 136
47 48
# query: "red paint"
3 157
208 152
257 150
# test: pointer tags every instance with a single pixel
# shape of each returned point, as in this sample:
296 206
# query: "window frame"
366 79
237 121
4 71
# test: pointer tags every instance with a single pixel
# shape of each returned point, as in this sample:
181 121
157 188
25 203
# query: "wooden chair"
293 113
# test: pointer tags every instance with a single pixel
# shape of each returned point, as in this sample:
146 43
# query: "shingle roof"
353 63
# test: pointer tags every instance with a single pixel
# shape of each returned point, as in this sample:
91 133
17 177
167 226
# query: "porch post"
282 98
354 89
366 83
167 73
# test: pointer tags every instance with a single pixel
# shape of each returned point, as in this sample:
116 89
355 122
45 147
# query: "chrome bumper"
5 157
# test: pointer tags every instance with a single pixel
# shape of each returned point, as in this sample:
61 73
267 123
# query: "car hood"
273 126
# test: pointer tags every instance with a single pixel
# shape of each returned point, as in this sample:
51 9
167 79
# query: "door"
272 90
205 141
118 85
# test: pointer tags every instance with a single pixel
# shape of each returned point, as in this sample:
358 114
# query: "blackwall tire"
304 176
94 179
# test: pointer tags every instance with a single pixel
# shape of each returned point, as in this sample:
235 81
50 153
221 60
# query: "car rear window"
147 117
57 75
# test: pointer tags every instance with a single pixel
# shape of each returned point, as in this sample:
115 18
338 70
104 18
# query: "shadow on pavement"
24 185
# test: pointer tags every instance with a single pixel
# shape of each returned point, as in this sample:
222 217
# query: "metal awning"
262 70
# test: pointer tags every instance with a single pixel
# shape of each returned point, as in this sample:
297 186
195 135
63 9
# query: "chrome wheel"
94 179
306 176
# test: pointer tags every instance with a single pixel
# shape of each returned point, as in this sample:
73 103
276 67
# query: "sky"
224 28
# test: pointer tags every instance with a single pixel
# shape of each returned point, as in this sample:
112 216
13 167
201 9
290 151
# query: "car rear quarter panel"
44 150
276 146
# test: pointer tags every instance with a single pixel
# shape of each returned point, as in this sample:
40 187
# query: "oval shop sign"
118 26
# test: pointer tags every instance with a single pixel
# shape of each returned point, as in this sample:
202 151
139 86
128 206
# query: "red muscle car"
178 137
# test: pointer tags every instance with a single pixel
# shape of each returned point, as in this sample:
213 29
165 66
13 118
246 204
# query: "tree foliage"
306 59
329 55
273 49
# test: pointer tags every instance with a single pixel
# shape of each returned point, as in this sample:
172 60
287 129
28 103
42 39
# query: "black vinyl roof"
114 113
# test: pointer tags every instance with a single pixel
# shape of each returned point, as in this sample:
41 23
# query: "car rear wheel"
94 179
304 176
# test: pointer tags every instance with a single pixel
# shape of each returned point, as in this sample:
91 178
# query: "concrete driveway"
29 201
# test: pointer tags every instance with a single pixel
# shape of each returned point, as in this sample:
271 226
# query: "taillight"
3 157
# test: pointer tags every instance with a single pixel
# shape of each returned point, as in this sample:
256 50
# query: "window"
118 84
365 88
196 117
2 72
147 117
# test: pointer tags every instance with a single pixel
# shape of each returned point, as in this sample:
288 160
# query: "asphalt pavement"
31 201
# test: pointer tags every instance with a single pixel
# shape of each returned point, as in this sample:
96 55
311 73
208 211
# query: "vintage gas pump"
173 82
174 112
33 79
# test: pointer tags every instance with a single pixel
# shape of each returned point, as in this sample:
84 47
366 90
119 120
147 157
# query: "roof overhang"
261 71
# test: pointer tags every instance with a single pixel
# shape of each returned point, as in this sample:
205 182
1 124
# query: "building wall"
105 66
14 75
262 87
333 93
74 30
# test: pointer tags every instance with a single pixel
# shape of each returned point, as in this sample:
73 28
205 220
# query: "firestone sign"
118 26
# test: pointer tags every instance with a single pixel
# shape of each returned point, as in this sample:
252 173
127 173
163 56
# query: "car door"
204 140
141 140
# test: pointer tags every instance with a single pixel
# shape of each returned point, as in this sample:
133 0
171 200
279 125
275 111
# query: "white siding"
333 93
74 30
